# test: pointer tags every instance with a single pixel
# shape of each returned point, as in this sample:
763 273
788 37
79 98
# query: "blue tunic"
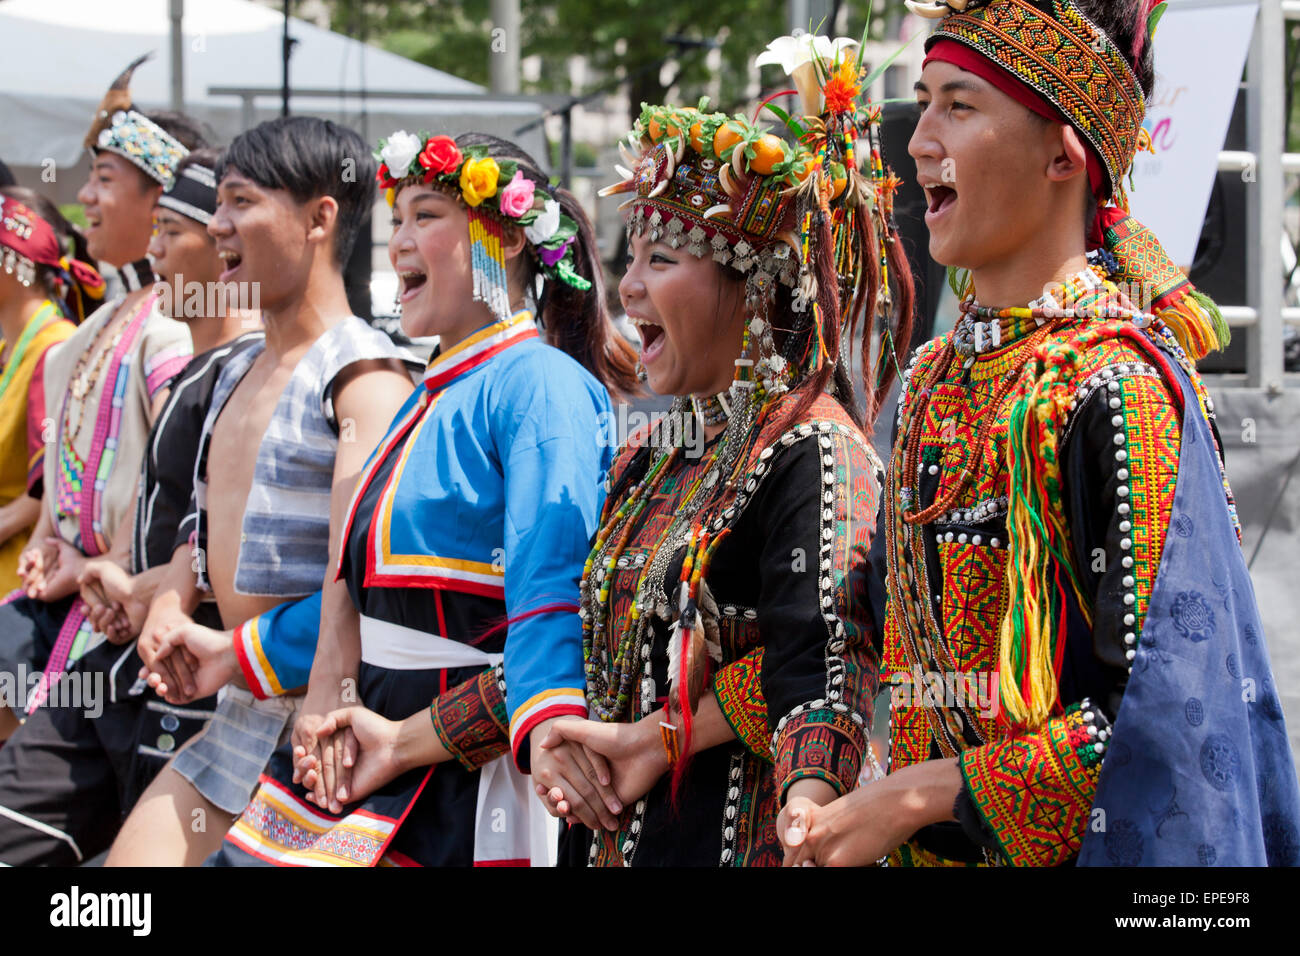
467 530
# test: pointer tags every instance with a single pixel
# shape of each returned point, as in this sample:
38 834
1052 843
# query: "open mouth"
941 199
412 281
652 338
232 261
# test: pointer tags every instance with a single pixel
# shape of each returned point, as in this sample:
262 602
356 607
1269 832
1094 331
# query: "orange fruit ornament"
768 151
839 180
697 137
724 138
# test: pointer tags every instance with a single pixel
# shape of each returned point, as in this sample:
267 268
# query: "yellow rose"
478 180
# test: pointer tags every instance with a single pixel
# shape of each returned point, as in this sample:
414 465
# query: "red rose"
385 180
440 155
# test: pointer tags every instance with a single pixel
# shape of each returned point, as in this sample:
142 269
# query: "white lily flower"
545 225
792 52
402 147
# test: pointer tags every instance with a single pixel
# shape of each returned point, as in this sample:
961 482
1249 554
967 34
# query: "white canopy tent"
61 56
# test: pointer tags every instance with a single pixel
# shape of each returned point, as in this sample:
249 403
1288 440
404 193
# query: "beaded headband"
1050 46
475 179
193 194
764 205
144 143
120 128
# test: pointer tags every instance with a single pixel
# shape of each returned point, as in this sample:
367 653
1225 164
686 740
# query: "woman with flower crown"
729 661
464 541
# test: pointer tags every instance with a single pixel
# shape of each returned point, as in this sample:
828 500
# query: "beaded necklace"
83 380
908 572
1048 317
712 409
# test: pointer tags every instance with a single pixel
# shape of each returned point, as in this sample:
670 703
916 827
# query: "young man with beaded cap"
1067 617
105 385
69 776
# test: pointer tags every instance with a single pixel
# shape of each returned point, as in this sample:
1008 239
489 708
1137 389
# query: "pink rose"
517 197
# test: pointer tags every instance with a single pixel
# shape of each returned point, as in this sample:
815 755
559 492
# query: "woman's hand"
61 565
632 753
333 752
376 756
34 564
582 777
867 824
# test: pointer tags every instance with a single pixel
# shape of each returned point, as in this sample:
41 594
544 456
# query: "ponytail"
578 322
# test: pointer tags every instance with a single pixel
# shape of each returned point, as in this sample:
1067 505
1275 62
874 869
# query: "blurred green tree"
627 38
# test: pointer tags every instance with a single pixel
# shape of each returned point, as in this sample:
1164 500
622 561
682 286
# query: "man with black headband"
1077 666
69 775
108 382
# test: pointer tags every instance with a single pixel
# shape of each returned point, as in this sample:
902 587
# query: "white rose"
402 147
545 225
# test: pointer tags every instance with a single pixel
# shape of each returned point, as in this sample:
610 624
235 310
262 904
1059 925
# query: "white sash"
510 823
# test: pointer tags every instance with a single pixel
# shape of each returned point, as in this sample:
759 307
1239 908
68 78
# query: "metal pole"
1264 137
503 53
566 150
284 61
176 9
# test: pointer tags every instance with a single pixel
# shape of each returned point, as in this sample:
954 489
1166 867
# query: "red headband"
27 233
32 238
965 58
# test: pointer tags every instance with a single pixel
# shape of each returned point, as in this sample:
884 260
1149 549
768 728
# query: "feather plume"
117 98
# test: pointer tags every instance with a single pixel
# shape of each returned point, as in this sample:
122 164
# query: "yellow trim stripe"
253 640
458 352
547 697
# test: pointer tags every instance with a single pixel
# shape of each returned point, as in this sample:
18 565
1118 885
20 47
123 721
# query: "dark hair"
576 322
184 129
1125 22
308 158
71 243
795 333
207 156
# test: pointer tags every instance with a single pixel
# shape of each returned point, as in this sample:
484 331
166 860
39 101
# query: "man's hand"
212 651
61 579
630 756
109 593
866 824
165 616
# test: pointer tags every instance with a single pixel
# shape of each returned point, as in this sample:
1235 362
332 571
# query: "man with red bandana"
1067 621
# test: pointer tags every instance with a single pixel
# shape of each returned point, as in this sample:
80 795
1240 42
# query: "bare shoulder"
371 385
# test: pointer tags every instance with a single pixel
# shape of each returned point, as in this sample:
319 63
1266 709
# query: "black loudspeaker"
897 123
1219 269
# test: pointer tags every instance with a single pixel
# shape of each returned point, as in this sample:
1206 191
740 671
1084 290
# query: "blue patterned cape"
1198 770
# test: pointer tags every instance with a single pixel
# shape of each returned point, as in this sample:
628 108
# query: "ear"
1071 155
322 219
513 241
